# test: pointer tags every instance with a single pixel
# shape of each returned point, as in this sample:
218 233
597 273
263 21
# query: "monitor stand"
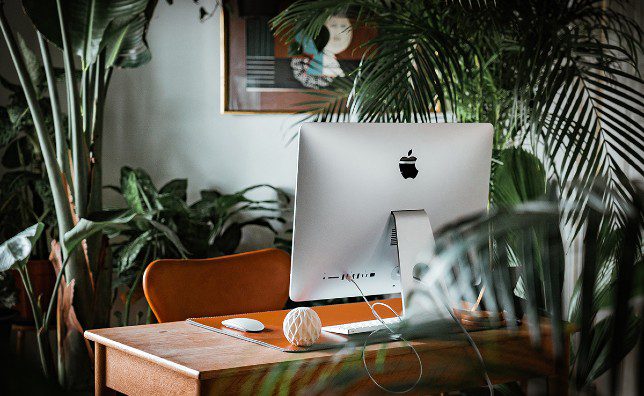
415 242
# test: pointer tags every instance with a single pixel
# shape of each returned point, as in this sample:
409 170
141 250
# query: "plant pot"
7 317
473 318
43 278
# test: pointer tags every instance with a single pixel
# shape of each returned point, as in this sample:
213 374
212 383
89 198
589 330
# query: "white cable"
364 346
377 316
469 339
476 349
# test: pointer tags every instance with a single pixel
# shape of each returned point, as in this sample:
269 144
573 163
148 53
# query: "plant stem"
54 293
79 270
100 88
79 149
40 334
54 98
128 299
63 210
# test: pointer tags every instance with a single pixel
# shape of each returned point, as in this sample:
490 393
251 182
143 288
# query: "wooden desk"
179 358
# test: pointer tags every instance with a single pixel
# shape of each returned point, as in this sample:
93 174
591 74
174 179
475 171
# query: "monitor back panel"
349 179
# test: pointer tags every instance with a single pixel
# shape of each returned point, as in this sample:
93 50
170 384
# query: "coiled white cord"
420 363
364 346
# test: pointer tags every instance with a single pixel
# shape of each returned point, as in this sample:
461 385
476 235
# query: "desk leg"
100 389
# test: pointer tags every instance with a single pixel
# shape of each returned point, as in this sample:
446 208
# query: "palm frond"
557 76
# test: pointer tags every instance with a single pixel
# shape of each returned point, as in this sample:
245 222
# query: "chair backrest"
240 283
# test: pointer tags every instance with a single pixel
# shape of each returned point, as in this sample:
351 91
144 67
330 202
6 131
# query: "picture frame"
261 74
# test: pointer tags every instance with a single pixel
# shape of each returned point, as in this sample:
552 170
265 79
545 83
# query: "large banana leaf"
92 24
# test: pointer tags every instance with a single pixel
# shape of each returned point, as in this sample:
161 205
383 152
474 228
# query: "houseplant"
14 255
25 196
159 223
111 35
480 62
482 251
556 80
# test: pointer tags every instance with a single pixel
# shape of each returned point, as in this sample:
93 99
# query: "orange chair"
240 283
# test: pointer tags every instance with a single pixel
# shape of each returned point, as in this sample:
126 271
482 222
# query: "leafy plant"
25 196
14 254
552 76
558 80
159 223
102 35
482 252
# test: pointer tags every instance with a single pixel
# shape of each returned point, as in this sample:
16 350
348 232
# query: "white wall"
165 118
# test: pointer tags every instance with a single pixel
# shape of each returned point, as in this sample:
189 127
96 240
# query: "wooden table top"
199 353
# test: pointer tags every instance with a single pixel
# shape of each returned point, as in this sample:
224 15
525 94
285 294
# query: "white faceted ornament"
302 326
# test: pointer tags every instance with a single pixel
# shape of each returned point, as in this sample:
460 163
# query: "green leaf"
7 131
16 250
128 48
35 68
114 38
177 187
130 190
138 190
520 178
106 221
228 242
598 352
129 253
171 203
87 22
171 236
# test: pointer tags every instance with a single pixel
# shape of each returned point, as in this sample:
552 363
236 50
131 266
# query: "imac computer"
352 177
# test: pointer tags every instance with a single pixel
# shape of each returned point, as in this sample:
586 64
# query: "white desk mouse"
244 324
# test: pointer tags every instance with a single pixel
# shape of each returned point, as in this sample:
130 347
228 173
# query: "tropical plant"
100 36
555 76
14 254
25 196
514 253
559 82
159 223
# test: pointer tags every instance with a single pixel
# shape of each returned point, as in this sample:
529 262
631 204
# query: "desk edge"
192 373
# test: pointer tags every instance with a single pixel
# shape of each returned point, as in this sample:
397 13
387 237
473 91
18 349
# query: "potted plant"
558 80
159 223
25 195
14 255
109 37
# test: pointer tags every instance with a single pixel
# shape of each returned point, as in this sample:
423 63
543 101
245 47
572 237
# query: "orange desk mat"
273 337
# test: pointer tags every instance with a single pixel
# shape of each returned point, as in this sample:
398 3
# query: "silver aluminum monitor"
350 177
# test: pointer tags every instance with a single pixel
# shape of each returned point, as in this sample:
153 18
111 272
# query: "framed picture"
261 74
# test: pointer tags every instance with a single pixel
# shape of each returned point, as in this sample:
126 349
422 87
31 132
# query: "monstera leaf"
91 24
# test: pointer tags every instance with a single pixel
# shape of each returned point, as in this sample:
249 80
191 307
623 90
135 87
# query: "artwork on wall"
262 74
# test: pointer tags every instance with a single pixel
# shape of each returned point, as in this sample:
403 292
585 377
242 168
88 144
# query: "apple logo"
407 166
